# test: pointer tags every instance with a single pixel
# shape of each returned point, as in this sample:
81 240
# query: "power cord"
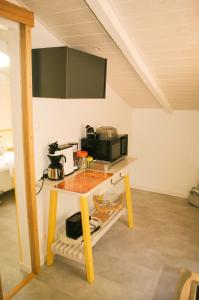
42 178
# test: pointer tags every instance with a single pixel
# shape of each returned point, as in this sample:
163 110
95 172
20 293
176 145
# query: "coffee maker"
55 168
65 150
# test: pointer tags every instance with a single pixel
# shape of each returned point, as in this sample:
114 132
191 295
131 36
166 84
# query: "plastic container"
89 160
82 159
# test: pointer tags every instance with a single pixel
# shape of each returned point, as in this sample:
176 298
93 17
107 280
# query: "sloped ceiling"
166 32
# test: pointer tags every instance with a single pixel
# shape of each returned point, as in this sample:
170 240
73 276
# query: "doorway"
13 258
19 227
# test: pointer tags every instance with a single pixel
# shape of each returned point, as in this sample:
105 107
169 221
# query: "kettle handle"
64 157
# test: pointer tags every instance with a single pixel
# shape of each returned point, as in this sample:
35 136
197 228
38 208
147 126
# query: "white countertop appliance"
67 151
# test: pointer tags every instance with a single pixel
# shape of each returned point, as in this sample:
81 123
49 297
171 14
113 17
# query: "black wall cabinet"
63 72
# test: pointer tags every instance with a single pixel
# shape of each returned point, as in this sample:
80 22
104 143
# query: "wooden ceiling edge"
16 13
107 17
38 20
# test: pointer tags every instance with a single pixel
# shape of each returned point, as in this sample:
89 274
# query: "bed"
6 171
6 161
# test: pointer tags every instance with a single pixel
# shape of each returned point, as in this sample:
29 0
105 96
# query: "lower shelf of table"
75 251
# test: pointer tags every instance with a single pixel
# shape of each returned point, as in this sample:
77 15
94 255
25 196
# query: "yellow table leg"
129 201
51 226
87 239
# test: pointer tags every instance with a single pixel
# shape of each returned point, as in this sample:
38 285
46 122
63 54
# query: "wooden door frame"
1 290
26 19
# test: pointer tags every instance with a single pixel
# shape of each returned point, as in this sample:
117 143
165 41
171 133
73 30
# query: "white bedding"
6 171
7 162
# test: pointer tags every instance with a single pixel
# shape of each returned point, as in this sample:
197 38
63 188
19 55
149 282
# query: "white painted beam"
108 18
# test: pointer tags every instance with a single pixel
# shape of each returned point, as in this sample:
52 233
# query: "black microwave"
106 149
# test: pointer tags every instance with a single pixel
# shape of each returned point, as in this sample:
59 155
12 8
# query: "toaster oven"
106 149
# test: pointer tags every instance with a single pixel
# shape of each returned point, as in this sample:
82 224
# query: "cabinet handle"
116 182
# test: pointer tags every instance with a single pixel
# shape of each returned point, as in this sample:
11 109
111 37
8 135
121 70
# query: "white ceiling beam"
108 18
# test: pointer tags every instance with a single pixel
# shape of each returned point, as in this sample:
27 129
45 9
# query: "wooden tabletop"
83 182
70 182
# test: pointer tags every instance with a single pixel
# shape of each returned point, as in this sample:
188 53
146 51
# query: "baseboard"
160 191
24 267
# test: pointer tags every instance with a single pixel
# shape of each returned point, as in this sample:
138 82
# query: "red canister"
82 159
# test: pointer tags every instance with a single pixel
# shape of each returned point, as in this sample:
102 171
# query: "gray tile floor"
10 271
138 264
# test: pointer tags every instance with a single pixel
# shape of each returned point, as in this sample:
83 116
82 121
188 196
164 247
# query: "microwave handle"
117 181
126 143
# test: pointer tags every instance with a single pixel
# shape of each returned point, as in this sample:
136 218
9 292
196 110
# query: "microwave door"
124 145
115 150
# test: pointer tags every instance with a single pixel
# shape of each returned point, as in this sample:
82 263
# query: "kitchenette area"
82 171
93 179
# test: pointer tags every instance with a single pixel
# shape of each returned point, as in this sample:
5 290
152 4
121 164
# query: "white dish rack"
74 249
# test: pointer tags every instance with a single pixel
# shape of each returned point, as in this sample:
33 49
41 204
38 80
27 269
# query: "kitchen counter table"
84 183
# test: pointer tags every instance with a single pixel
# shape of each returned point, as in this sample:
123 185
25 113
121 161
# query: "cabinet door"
49 72
86 75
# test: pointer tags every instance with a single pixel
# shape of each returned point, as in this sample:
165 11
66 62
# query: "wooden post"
26 77
87 239
1 290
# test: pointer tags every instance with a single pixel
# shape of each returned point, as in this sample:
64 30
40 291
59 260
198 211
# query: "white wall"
167 150
64 120
5 104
